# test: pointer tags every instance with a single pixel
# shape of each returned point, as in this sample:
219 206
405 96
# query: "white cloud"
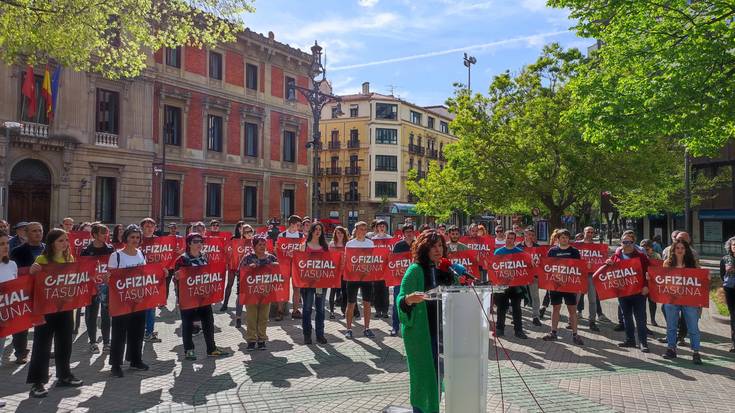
367 3
533 5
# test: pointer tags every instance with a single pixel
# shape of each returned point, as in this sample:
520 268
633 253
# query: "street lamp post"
687 194
318 95
468 62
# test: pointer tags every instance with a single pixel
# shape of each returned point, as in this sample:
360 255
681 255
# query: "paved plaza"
366 375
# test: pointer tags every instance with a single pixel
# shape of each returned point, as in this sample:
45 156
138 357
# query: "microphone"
457 270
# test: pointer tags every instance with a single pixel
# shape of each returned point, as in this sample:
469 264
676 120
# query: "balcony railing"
333 197
353 144
352 171
432 153
106 139
334 171
352 197
419 150
334 144
37 130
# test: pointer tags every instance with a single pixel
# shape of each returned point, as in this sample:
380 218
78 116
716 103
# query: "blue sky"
415 47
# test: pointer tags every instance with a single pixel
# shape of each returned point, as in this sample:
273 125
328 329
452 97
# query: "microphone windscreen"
459 269
444 264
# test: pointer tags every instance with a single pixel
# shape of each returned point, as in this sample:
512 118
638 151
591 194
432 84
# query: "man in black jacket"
98 247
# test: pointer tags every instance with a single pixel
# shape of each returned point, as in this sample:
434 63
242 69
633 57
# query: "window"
40 115
215 65
173 56
419 166
289 146
105 199
410 138
410 163
386 111
287 203
354 135
214 133
334 188
386 136
415 118
108 108
354 111
444 126
290 90
251 202
334 162
335 112
172 125
431 122
335 136
214 199
353 161
171 196
385 189
251 76
251 140
386 163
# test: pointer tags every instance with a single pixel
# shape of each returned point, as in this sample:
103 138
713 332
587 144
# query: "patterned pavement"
366 375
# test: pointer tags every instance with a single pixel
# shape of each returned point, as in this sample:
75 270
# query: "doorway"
29 194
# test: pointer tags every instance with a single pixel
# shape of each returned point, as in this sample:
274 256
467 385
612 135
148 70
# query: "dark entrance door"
30 193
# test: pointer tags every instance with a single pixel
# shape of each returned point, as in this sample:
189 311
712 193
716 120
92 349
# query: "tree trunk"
555 217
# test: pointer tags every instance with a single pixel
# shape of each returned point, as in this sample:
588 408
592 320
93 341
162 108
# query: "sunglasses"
196 241
248 231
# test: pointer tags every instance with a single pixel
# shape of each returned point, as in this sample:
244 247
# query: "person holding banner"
8 271
242 231
128 329
148 226
193 257
681 256
512 294
58 326
647 246
256 315
409 236
380 291
314 297
529 241
98 248
727 273
294 222
633 306
339 238
563 250
365 287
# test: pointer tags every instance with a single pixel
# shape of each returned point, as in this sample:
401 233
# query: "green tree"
518 150
113 38
663 69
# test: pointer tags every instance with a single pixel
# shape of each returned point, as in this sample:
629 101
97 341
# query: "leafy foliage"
113 38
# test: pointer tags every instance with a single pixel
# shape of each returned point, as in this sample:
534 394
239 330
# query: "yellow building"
368 151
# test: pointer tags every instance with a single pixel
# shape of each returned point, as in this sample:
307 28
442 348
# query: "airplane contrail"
449 51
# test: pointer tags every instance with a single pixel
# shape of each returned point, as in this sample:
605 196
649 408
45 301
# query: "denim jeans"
691 317
150 319
310 298
634 306
396 322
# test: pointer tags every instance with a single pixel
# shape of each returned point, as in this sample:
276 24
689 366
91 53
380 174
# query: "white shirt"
380 236
8 271
126 261
356 243
289 234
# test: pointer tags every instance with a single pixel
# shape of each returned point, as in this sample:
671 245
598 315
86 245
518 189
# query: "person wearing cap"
381 301
193 257
20 235
198 227
128 329
256 315
213 228
68 224
173 229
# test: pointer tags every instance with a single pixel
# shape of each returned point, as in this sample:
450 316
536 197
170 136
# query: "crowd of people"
123 336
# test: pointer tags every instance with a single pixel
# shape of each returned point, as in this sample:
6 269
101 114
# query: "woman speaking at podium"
418 317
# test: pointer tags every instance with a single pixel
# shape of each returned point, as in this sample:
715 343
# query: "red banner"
620 279
64 287
215 249
595 254
483 247
468 259
137 288
263 284
386 243
201 285
100 262
680 286
320 269
284 250
78 240
16 306
563 274
364 264
536 254
511 269
652 262
239 248
225 235
396 266
162 250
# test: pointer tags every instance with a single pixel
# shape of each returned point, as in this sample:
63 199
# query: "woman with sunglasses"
242 231
256 315
193 257
58 327
314 297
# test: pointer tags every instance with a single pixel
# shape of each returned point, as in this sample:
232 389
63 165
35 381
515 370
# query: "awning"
405 209
716 214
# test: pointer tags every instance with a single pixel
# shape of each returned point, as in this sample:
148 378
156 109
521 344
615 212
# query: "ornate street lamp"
318 95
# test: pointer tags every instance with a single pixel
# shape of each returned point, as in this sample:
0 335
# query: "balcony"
333 197
353 144
352 171
432 153
106 139
333 171
352 197
418 150
334 144
37 130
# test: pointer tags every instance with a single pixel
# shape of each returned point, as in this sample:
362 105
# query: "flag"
46 92
29 91
55 79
